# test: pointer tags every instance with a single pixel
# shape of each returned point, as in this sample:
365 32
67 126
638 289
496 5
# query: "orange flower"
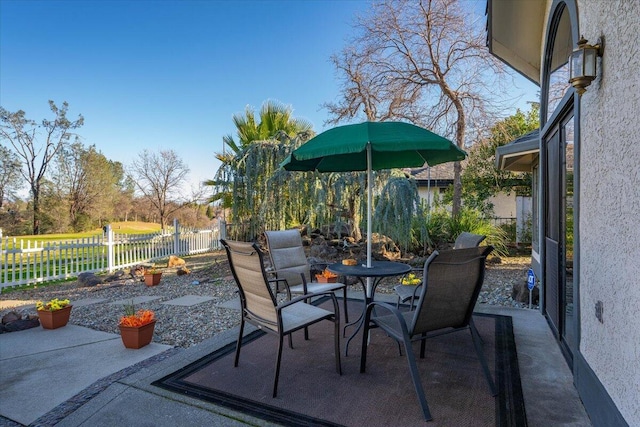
326 273
141 318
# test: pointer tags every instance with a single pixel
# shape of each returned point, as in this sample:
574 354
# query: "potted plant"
54 314
136 328
411 280
152 276
327 277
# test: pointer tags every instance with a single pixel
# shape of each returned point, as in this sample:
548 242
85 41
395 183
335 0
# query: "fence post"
111 258
176 236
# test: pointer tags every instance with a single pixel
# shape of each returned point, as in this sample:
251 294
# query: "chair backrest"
451 284
468 240
256 296
287 255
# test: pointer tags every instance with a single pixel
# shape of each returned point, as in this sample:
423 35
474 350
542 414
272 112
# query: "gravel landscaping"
100 307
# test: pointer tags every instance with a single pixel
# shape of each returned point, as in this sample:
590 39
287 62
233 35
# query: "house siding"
610 204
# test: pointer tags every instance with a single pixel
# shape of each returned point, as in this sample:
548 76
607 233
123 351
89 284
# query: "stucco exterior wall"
610 203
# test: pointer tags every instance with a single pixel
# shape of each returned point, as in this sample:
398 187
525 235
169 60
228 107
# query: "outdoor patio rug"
310 392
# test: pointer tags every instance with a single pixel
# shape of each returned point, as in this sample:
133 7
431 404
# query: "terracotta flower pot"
324 279
152 279
137 337
54 319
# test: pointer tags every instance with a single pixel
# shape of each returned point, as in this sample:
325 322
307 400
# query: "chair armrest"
415 291
397 313
276 281
304 297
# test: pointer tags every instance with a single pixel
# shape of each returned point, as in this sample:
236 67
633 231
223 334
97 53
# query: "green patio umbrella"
372 146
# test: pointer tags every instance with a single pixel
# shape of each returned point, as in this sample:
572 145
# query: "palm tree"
274 117
275 121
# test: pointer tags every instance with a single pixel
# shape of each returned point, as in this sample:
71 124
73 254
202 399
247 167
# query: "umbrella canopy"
372 146
393 145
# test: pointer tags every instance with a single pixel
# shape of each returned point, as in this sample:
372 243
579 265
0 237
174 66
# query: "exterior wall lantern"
583 65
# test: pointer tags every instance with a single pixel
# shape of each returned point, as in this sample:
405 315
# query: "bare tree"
160 178
24 134
425 62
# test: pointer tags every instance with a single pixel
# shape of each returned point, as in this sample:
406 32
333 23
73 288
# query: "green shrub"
443 229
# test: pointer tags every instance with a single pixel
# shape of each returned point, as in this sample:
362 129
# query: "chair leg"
306 330
239 343
415 377
346 312
336 339
423 344
477 342
279 358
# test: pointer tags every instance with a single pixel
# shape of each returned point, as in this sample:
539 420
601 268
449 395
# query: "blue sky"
171 74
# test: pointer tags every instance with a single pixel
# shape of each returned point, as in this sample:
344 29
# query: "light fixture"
582 65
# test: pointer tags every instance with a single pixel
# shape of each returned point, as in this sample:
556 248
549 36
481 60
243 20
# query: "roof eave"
514 34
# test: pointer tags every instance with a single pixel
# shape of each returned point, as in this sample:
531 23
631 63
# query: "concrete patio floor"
28 357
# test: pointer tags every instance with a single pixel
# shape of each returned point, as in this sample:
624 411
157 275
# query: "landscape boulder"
118 275
384 248
13 321
175 261
89 279
322 250
520 293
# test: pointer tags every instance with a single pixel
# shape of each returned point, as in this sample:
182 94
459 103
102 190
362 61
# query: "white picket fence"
31 263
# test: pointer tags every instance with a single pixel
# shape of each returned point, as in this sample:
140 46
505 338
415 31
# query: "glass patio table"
373 275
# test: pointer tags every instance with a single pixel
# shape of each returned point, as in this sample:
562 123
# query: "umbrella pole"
369 289
428 192
369 207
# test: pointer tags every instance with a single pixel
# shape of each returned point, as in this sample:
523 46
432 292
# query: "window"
559 75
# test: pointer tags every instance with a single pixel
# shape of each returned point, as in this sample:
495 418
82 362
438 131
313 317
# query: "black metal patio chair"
410 292
261 309
452 281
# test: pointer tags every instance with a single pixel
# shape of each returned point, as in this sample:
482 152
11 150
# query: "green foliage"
84 187
9 174
396 210
274 118
24 135
445 228
480 177
260 148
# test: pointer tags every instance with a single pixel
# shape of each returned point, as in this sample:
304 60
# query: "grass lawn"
126 227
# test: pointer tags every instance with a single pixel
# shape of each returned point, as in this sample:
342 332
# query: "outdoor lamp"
582 65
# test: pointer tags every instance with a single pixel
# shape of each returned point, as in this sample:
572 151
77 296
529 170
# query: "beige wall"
610 203
504 206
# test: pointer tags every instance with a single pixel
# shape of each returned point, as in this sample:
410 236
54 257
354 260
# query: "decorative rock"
89 279
118 275
320 249
13 321
21 324
520 293
383 248
175 261
11 316
137 272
